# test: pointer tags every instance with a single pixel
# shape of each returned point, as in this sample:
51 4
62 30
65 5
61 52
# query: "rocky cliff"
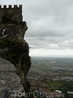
15 49
9 81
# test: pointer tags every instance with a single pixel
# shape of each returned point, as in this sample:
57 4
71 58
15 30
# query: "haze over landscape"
50 26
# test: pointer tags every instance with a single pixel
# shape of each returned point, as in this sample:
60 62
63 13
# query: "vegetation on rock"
15 49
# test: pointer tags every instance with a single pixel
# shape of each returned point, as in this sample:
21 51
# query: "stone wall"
15 11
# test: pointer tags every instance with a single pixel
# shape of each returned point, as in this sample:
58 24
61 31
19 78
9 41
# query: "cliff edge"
14 48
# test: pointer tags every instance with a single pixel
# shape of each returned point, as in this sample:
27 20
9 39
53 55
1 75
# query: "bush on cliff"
15 49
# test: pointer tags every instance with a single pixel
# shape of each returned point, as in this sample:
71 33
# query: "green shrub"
15 49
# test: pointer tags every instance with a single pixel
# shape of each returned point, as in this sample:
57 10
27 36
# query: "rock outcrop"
14 31
14 48
9 80
16 51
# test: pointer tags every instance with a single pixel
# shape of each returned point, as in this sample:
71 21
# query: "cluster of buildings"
39 88
50 76
38 84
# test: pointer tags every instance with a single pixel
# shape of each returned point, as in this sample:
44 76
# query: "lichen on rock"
9 80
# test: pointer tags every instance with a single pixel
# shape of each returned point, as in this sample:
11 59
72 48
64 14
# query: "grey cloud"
50 23
48 43
47 31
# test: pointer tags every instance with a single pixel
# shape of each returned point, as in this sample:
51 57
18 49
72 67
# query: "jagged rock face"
3 51
9 80
14 31
16 51
23 65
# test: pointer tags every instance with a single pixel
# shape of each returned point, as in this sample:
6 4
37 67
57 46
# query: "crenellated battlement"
15 11
10 6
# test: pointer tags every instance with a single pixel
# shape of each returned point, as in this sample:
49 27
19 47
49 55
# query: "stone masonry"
15 11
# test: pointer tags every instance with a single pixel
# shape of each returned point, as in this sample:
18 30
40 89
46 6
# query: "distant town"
52 76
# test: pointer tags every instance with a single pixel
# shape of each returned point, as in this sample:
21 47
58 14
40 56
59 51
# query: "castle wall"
15 11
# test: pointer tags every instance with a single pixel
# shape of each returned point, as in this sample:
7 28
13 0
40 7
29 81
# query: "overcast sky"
50 26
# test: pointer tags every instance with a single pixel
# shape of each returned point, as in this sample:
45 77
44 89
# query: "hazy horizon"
53 56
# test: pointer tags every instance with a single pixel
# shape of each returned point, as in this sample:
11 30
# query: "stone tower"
15 12
11 18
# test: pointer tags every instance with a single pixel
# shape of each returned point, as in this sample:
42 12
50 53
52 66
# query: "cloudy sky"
50 26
